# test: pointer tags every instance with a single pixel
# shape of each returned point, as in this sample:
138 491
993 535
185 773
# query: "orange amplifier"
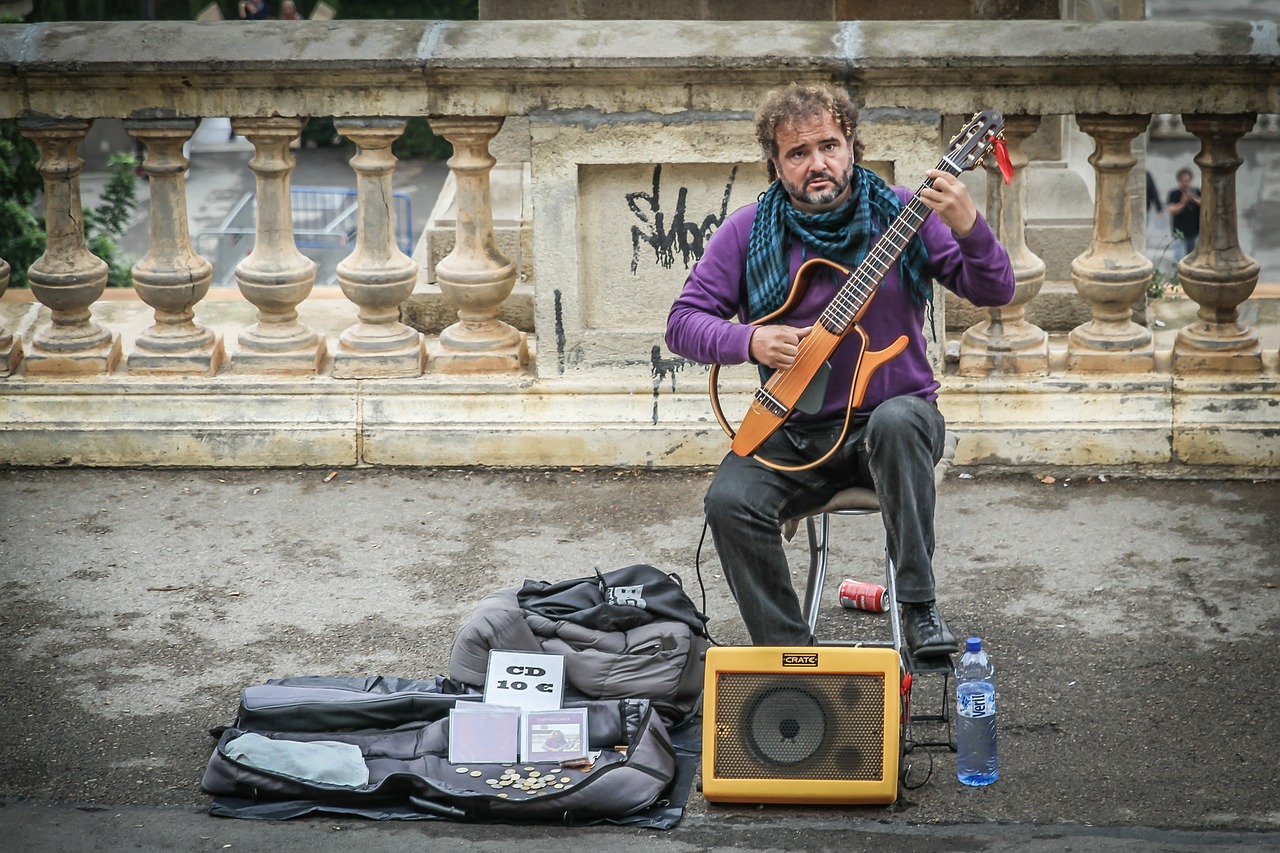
803 724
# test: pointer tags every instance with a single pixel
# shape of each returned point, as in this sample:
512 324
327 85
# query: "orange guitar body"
785 387
759 423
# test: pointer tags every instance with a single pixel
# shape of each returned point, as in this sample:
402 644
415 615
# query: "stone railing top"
517 67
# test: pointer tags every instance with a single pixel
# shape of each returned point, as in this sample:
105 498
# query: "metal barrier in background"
324 229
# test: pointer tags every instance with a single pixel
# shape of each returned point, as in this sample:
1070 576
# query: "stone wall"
617 125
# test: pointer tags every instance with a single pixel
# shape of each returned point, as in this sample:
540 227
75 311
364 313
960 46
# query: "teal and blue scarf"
842 235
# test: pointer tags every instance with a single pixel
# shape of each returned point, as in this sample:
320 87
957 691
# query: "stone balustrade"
635 142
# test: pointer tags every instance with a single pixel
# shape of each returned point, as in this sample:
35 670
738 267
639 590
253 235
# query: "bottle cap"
973 644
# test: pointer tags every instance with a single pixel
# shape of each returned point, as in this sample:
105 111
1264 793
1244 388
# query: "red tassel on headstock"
1002 160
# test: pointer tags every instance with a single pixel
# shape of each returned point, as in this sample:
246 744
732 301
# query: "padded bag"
410 764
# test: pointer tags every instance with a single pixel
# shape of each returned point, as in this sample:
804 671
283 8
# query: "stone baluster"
275 277
172 278
67 278
475 276
1218 275
1005 342
10 344
377 276
1111 275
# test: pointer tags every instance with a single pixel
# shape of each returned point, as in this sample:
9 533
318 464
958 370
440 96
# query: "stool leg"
891 584
819 536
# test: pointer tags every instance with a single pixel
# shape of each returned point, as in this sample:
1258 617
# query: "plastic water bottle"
976 716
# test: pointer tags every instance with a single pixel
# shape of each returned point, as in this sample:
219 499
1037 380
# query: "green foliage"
319 132
1163 284
21 239
22 233
19 180
119 197
110 219
417 140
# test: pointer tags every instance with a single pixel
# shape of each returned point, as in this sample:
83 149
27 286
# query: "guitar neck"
862 283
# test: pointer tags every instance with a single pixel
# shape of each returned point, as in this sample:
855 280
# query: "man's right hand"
776 346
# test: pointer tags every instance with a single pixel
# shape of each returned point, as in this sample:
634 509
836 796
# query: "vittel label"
976 705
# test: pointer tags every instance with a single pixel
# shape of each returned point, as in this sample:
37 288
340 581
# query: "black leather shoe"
926 633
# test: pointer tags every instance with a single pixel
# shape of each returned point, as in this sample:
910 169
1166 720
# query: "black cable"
906 771
697 568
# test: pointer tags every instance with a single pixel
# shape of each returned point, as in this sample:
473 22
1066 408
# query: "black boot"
926 633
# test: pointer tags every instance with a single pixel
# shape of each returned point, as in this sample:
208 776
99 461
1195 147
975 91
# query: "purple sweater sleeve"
706 322
699 326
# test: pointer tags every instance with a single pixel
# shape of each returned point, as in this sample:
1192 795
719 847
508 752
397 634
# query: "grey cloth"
894 450
324 762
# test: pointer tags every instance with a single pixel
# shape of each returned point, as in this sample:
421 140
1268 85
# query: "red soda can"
859 595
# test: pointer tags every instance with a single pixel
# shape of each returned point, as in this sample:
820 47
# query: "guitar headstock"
975 139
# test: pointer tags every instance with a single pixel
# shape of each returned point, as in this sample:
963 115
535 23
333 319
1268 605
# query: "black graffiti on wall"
683 237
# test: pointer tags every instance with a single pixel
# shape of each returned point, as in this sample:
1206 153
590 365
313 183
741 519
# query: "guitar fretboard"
862 283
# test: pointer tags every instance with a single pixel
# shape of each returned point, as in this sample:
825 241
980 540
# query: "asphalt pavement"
1133 624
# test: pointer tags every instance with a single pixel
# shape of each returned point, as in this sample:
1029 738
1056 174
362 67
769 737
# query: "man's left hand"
949 198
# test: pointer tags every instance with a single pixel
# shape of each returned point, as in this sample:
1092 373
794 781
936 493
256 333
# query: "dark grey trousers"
894 450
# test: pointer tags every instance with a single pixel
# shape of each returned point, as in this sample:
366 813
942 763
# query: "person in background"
289 11
822 203
1184 213
253 10
1153 198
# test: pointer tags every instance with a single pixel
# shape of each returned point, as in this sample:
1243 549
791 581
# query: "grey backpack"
629 633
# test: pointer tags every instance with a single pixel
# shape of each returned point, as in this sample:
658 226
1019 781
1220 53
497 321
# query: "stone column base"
981 361
203 361
405 361
510 358
1244 358
100 359
1130 350
1101 361
288 362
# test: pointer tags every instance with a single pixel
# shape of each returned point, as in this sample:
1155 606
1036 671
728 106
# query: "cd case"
554 736
483 734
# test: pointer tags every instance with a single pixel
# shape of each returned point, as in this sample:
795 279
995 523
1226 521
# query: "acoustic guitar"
803 385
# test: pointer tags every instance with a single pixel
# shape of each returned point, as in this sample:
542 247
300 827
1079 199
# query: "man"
821 203
1184 213
253 10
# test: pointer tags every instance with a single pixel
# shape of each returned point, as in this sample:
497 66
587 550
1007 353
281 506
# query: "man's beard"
816 199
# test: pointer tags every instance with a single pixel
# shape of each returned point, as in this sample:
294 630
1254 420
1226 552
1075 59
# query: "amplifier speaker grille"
804 726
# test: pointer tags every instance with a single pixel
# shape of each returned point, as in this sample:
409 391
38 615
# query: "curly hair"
803 101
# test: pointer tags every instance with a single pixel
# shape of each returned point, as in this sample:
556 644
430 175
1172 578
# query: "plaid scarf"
842 235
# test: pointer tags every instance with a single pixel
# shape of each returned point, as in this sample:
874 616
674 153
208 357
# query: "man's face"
1184 181
814 163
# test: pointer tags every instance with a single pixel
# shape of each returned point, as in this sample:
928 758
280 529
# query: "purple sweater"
699 327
